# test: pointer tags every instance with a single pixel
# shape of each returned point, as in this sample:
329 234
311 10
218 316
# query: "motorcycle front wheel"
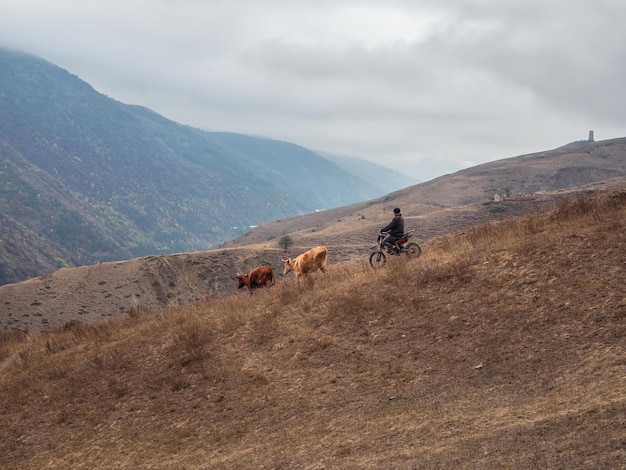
413 250
378 259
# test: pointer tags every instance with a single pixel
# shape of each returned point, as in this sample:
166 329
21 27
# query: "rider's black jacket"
395 227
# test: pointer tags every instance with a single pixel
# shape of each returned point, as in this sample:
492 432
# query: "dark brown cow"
261 276
308 262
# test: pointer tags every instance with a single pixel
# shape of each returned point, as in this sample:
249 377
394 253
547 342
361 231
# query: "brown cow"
308 262
261 276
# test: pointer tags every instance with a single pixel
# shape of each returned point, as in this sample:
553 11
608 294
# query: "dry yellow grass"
501 347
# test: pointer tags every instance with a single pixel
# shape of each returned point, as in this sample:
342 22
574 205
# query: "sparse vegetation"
507 189
285 241
502 346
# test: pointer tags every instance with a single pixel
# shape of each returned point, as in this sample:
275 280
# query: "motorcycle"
378 258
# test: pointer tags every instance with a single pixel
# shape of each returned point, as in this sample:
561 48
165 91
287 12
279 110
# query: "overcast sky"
426 87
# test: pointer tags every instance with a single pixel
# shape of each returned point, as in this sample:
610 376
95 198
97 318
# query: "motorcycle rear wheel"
378 259
413 250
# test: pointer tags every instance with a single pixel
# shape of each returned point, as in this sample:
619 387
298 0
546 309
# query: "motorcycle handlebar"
410 232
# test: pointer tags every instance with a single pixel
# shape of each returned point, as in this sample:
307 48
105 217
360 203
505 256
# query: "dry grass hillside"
501 347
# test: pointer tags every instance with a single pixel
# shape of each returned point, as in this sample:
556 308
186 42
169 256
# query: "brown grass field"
503 346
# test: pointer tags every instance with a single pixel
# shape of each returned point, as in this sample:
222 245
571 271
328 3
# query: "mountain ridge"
520 180
99 180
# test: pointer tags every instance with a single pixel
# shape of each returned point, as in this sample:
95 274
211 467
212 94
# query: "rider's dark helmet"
396 210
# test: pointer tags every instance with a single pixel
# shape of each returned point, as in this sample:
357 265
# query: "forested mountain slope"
85 178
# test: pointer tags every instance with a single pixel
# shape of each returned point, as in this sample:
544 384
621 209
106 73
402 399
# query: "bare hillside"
503 346
445 203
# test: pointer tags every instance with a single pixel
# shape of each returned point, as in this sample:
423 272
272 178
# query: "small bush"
138 311
194 337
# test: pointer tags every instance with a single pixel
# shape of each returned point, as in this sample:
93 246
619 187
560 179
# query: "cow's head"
288 265
242 280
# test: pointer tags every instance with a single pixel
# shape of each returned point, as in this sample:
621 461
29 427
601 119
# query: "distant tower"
590 139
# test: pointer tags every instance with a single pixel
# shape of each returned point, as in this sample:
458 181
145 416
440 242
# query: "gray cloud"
427 87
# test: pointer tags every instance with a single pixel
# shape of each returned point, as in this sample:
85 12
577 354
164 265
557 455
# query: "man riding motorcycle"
395 229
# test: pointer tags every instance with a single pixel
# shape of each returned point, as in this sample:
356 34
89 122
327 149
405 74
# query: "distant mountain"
85 178
383 178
